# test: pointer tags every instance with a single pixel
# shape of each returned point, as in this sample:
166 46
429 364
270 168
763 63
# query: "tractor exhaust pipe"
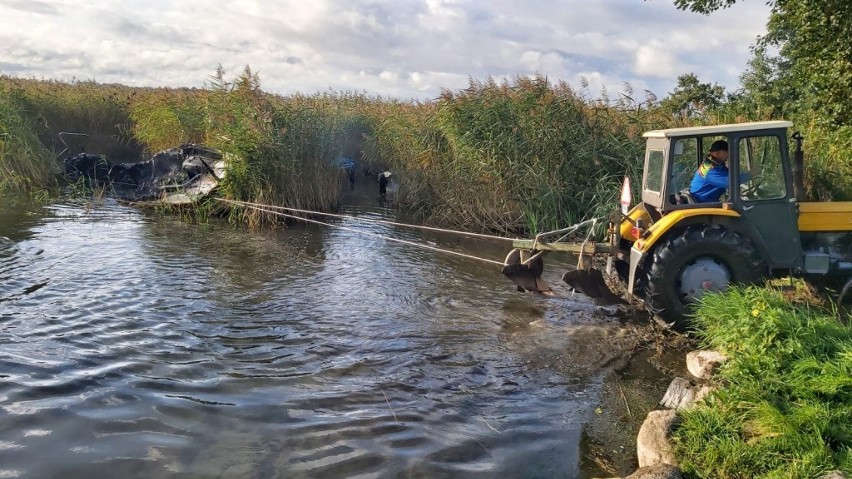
799 168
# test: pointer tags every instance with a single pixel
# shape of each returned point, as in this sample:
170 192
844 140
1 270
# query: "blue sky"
398 48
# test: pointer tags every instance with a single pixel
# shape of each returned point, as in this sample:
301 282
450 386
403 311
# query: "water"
133 345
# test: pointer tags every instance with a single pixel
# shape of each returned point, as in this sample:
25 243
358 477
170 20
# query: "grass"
785 406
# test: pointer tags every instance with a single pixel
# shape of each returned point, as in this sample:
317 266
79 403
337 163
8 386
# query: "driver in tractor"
711 178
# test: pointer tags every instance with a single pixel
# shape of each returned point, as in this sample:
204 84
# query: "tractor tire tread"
736 251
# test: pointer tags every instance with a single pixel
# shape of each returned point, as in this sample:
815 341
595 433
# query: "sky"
408 49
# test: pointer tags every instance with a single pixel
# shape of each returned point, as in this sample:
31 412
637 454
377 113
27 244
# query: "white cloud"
656 60
407 49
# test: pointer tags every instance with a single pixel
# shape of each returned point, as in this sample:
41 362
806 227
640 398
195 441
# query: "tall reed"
25 164
519 155
97 114
281 150
525 155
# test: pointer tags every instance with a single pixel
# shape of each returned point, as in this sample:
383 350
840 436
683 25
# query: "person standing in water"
383 183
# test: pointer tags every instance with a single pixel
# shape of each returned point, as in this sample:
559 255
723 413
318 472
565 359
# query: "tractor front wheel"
702 259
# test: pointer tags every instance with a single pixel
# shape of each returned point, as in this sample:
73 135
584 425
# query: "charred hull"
187 167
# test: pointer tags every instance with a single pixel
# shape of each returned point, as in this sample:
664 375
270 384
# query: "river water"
136 345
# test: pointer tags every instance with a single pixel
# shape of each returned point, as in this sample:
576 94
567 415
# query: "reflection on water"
133 345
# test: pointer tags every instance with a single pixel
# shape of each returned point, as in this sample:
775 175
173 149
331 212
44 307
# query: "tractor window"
761 169
684 163
654 178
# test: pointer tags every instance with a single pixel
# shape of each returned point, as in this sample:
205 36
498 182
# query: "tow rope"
523 267
277 210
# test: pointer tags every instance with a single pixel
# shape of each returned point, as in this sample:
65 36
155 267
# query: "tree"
814 40
703 6
765 87
692 98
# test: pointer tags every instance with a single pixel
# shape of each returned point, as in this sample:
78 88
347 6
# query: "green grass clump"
785 406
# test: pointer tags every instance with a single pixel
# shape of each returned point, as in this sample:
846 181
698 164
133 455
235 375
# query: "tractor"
670 250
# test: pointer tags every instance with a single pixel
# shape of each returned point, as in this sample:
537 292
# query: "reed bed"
25 164
525 155
99 113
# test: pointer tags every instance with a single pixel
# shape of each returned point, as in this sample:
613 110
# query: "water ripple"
140 346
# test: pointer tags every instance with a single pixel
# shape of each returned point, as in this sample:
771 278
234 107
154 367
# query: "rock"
833 475
660 471
703 364
702 393
682 394
653 444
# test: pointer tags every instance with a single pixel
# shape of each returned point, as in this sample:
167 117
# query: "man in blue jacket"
711 178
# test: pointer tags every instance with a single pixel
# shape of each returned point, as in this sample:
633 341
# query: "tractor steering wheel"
752 186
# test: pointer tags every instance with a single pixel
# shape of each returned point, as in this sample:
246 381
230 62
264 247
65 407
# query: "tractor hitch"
524 266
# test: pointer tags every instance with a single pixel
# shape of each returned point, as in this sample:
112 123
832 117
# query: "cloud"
405 49
30 6
656 60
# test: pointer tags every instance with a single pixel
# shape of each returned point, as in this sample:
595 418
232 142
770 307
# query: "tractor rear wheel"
702 259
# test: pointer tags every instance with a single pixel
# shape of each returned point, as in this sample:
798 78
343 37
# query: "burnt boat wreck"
177 176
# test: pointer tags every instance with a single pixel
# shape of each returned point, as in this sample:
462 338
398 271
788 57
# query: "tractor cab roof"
716 129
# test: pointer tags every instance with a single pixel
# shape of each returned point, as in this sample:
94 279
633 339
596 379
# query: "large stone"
833 475
682 394
703 364
660 471
653 445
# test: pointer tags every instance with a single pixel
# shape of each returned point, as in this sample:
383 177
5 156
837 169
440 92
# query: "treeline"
802 71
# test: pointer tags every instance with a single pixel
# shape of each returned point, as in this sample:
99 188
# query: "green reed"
25 164
525 155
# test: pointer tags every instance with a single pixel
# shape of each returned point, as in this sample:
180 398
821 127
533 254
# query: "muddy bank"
628 393
628 358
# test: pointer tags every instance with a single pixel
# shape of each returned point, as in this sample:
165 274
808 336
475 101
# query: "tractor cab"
759 183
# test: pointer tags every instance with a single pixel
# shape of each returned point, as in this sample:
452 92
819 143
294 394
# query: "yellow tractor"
671 249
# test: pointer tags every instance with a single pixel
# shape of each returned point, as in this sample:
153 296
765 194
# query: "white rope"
368 220
264 209
580 263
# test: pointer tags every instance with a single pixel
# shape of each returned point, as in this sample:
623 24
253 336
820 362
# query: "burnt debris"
167 170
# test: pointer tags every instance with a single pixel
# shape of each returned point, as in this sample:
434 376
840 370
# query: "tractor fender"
673 222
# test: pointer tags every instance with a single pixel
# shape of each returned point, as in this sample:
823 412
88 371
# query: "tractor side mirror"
678 148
